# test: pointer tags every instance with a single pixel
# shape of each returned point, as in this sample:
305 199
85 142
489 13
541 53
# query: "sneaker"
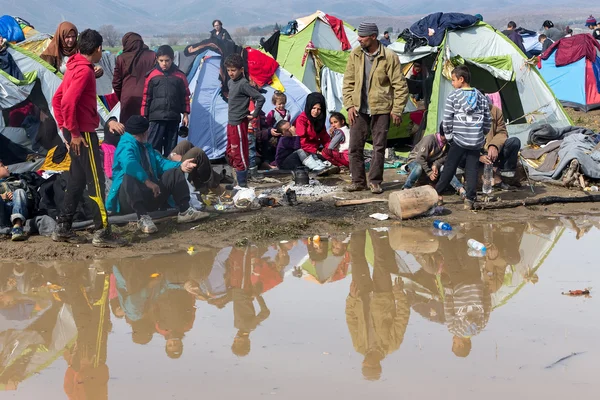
64 233
17 234
106 239
146 225
329 171
469 204
355 187
375 188
191 215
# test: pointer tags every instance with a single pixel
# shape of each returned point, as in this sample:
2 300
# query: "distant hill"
185 16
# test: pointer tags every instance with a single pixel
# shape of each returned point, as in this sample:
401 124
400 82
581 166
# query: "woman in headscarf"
130 74
310 125
219 32
62 46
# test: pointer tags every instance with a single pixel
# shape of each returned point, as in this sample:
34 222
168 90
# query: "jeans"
11 210
252 154
416 170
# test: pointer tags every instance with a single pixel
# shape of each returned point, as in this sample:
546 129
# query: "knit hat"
136 125
591 21
367 29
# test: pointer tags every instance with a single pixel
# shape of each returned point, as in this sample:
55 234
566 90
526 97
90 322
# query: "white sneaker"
191 215
146 225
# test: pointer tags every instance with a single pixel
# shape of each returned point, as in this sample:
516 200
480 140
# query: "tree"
110 35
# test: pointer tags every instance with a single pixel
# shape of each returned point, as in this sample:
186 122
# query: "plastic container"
476 253
488 178
475 245
413 202
444 226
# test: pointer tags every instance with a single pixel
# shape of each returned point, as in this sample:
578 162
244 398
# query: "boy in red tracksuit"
166 96
75 110
240 93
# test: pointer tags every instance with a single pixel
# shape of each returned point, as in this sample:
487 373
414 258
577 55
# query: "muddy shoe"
329 171
375 188
355 187
469 204
105 238
146 225
191 215
64 233
569 175
17 234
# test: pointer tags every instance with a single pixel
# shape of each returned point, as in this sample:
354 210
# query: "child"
337 150
286 154
466 121
240 93
166 96
545 41
14 202
279 100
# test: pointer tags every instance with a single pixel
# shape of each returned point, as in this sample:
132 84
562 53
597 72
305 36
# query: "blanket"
433 27
545 133
571 49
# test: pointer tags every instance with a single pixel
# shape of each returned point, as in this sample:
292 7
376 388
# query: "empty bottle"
475 245
476 253
444 226
488 178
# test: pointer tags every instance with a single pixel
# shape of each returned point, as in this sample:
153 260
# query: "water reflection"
53 311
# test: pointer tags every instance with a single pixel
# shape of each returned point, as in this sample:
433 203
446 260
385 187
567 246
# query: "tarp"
10 29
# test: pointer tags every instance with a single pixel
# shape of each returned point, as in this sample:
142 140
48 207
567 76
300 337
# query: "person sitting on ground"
337 150
289 143
143 180
429 155
592 25
385 40
279 113
15 201
545 41
551 32
466 121
202 177
511 33
219 32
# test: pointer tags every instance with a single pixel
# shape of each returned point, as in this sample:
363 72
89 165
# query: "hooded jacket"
74 102
312 131
467 118
428 152
498 133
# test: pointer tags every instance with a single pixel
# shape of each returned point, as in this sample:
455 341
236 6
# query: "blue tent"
208 118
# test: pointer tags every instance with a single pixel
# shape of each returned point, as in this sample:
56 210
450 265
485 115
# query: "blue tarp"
567 82
10 29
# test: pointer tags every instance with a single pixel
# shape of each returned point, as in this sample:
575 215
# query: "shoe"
463 194
146 225
64 233
191 215
106 239
355 187
469 204
17 234
329 171
375 188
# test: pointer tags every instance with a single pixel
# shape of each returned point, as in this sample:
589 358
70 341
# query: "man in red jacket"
75 110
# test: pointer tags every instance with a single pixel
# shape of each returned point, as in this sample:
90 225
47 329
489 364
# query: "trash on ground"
564 359
584 292
191 251
380 216
475 245
444 226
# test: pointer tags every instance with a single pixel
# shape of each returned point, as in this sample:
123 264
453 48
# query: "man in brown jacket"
499 149
374 91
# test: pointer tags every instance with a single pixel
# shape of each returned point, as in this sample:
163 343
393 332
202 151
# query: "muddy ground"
312 216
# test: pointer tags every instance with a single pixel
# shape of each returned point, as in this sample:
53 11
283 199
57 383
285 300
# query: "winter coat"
129 87
310 141
428 152
166 95
498 133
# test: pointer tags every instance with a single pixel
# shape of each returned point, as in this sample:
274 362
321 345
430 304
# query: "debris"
290 197
564 359
584 292
380 216
343 203
316 238
191 251
156 274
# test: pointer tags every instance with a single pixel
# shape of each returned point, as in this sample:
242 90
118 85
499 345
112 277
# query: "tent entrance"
512 108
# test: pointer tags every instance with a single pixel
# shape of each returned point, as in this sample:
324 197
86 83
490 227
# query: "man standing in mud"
374 92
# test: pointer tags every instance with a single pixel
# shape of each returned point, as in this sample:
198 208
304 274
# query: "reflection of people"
377 310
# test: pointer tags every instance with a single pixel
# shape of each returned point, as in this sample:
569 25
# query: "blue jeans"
252 153
416 171
11 210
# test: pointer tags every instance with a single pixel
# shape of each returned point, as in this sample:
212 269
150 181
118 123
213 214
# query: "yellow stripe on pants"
97 199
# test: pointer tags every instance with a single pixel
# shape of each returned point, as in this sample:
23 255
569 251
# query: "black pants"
163 136
134 196
455 155
86 169
507 158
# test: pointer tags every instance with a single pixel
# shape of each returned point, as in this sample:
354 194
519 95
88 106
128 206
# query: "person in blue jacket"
143 180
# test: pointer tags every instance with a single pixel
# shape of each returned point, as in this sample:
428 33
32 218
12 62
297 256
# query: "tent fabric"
10 29
334 60
571 49
499 66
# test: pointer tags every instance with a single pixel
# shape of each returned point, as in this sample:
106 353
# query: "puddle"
392 310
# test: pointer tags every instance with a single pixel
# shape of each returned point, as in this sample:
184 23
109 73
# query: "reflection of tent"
208 120
576 84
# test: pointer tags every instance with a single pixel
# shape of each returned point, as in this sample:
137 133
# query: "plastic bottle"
488 178
475 245
476 253
444 226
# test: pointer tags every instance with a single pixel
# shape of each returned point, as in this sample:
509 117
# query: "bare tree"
110 35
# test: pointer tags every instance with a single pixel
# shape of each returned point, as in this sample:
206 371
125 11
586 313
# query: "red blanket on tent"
569 50
337 25
261 67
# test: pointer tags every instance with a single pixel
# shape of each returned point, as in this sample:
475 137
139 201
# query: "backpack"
290 29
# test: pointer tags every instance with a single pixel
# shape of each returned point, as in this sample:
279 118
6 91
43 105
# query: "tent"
208 118
577 83
496 65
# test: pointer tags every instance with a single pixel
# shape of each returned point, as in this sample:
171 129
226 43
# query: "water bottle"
444 226
476 253
475 245
488 178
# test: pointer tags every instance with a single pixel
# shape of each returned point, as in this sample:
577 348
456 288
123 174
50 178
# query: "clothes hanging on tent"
8 64
271 44
10 29
433 27
337 25
261 67
569 50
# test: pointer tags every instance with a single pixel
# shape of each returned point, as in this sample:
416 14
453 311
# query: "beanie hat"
136 125
591 21
367 29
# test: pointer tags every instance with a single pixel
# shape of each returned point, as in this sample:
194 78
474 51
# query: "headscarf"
57 47
311 100
133 48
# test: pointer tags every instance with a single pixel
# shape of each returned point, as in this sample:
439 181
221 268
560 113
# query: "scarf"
311 100
133 48
57 47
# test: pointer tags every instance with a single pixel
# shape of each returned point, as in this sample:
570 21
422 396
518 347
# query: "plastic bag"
244 198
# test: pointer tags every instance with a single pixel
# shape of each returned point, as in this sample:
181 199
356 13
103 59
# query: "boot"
105 238
242 178
64 233
313 163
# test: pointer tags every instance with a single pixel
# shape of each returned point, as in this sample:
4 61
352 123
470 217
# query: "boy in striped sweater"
467 120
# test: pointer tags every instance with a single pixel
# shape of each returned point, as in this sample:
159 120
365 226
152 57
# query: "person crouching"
143 180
